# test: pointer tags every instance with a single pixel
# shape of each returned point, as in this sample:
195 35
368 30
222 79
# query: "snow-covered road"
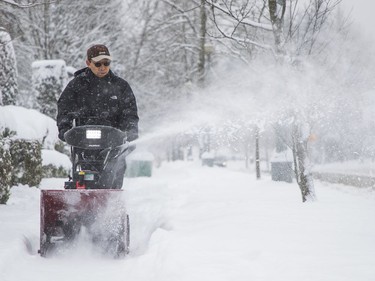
197 223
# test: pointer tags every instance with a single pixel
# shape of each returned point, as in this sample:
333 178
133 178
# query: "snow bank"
56 158
29 124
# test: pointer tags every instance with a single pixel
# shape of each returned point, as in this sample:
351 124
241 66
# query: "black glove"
61 134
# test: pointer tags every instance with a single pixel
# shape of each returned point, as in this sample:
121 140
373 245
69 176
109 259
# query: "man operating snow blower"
96 96
97 117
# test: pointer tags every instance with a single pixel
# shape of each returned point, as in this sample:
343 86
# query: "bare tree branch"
33 4
243 20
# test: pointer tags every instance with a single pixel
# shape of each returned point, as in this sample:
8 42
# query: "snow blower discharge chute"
92 199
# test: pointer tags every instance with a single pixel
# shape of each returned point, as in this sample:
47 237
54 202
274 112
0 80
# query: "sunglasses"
99 64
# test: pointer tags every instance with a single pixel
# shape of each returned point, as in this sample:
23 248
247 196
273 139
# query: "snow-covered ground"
190 222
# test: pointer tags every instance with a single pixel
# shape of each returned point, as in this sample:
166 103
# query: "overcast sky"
363 14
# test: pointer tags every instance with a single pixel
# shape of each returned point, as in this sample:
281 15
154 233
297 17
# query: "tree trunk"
202 42
277 10
302 172
257 158
47 21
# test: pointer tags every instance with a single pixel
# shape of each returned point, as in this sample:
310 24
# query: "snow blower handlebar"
94 132
95 137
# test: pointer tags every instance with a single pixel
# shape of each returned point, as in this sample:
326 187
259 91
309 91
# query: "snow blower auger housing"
92 200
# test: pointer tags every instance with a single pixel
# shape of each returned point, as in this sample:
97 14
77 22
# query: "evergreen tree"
5 165
8 70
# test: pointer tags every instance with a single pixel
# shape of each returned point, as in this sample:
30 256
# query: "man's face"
100 68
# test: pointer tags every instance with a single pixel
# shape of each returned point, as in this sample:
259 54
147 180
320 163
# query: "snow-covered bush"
8 70
46 99
32 131
49 79
55 164
29 124
51 171
5 165
26 162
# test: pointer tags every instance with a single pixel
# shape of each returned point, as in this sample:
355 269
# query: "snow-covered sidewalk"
197 223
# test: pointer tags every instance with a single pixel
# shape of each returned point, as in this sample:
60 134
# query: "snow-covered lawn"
197 223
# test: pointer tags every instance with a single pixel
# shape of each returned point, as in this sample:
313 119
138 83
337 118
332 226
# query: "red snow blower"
92 200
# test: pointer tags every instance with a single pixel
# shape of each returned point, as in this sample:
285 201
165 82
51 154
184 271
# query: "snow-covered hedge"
48 80
5 166
27 152
26 162
55 164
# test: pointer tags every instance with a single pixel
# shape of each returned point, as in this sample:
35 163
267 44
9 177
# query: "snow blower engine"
91 203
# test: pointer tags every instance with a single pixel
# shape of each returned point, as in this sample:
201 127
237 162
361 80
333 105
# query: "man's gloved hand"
61 134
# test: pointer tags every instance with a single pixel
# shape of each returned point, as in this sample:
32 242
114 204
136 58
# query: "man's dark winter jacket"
109 99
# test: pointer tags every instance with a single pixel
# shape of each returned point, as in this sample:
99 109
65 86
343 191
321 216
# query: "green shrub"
27 162
51 171
5 165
